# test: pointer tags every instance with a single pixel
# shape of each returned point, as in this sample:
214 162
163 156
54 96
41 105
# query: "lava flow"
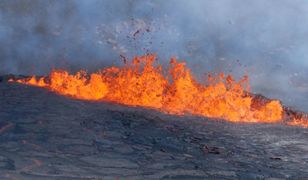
144 83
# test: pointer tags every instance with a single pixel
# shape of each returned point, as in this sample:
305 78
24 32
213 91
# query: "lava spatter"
144 83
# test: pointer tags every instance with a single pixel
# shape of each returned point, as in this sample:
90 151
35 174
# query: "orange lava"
144 83
299 122
299 119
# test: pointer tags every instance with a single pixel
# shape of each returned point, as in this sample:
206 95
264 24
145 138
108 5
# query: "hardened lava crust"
47 136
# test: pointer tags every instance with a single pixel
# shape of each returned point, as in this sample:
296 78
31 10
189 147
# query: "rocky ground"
47 136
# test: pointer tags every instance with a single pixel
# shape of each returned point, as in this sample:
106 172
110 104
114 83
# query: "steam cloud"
265 38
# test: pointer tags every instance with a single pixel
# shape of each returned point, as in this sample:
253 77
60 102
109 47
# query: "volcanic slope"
47 136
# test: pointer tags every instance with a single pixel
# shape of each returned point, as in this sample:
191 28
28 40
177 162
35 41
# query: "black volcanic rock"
47 136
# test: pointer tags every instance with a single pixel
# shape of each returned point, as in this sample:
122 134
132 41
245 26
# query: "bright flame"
299 119
299 122
142 83
32 81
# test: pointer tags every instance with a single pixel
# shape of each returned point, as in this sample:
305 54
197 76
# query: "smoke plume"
265 39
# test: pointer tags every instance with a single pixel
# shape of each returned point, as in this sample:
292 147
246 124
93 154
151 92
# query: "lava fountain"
143 82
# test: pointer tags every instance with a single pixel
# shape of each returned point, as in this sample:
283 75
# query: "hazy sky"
266 38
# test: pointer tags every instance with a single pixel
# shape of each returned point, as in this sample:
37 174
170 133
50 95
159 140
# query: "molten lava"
142 83
297 118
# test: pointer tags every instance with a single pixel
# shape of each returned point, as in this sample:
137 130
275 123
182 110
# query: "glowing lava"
297 118
143 83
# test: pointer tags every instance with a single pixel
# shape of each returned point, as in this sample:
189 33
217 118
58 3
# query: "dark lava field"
47 136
